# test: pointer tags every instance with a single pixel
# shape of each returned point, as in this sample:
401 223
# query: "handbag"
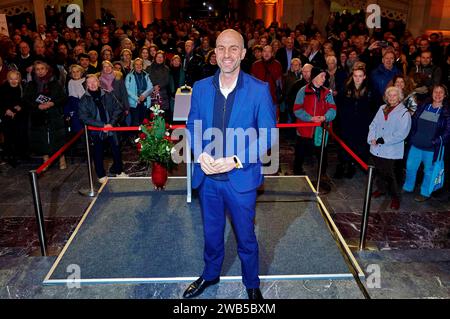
437 174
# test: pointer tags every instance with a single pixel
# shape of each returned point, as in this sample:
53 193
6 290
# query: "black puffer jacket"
160 75
89 114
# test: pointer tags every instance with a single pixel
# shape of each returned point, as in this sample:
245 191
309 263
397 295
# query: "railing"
368 191
91 191
34 174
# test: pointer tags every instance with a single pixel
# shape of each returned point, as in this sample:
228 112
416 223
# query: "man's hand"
373 142
107 126
141 98
46 106
224 164
43 106
17 108
9 113
318 119
374 45
308 51
206 162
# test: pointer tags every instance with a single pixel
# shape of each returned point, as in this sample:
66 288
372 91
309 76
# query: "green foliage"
154 142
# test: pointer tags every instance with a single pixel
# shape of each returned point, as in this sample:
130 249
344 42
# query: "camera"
383 44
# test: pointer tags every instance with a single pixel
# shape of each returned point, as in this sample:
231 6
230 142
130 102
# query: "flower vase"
159 176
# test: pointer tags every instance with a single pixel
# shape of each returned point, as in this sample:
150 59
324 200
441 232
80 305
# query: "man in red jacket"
314 103
269 70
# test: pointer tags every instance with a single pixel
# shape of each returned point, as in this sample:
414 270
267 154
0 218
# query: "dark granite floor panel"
399 230
410 273
19 234
21 277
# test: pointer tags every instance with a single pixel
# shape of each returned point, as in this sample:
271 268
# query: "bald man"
192 64
228 180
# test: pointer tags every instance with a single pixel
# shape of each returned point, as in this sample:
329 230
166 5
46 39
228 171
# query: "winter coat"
307 105
47 128
394 131
270 72
160 75
89 114
192 68
354 116
443 127
130 84
379 79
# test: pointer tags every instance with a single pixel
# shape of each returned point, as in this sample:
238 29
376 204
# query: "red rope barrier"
178 126
118 128
345 147
283 125
59 152
309 124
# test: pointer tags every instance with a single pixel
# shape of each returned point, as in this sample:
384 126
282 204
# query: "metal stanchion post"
322 150
39 212
189 168
88 192
366 209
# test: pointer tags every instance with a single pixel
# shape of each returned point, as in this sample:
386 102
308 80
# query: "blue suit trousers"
216 197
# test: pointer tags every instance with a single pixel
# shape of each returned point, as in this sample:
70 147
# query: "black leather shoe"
254 294
197 287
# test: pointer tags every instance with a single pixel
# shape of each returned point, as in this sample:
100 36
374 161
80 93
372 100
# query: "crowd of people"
383 90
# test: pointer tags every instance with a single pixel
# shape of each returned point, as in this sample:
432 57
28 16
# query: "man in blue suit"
228 173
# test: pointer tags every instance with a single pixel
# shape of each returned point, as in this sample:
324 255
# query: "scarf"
106 81
42 82
316 90
97 97
76 88
388 109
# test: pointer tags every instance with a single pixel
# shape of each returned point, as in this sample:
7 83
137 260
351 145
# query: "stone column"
269 6
445 22
136 7
39 12
259 9
157 7
417 16
92 11
146 12
321 14
280 11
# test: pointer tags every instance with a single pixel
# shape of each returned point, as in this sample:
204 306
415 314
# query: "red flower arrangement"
154 143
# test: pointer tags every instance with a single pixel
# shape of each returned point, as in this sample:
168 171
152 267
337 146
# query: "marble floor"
411 246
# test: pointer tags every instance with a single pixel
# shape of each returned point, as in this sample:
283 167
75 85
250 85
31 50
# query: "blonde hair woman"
45 98
387 134
75 90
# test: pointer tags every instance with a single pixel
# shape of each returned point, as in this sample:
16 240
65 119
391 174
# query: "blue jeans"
99 148
415 157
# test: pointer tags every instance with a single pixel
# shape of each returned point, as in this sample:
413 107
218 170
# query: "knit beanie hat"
315 71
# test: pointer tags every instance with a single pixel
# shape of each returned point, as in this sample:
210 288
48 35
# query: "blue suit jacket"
252 108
